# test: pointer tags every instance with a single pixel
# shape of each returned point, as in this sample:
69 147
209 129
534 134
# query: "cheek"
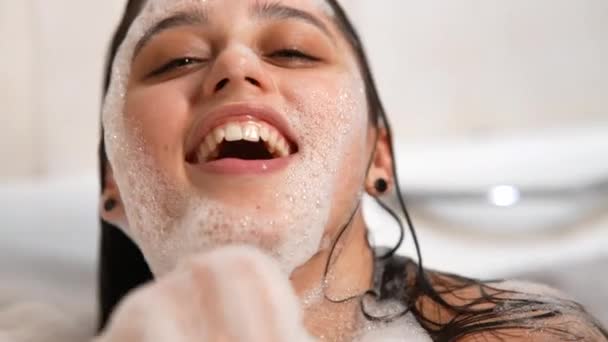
354 166
333 119
330 109
157 117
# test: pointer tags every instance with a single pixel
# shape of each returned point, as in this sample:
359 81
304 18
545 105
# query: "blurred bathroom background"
500 113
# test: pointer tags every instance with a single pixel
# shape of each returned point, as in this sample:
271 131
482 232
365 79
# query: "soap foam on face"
170 221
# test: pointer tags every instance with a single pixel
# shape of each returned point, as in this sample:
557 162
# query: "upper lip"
223 114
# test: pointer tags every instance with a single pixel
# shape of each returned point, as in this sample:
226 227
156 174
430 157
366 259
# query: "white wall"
50 76
482 66
17 126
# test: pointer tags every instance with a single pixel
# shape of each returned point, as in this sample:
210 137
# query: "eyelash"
293 54
187 61
176 64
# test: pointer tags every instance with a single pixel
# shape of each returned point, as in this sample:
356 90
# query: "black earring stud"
381 185
109 204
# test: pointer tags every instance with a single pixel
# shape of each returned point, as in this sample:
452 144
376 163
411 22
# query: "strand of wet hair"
397 245
401 202
392 213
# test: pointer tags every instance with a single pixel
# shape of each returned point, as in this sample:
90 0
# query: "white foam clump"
404 328
171 219
176 307
267 286
324 5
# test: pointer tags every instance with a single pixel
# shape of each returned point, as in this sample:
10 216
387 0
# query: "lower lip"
240 166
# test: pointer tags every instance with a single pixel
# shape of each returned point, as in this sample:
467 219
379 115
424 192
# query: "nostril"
252 81
221 84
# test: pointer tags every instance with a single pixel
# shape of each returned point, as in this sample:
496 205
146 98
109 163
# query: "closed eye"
175 64
293 54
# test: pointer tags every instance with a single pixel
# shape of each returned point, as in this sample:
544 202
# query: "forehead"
160 15
156 14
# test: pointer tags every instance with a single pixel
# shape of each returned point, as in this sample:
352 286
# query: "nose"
237 68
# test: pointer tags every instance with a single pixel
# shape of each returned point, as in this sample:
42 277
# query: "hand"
231 294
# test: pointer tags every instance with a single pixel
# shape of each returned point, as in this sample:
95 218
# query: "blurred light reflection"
504 195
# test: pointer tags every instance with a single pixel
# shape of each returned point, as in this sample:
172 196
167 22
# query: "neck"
349 274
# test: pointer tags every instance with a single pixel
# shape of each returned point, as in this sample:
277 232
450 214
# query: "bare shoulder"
463 309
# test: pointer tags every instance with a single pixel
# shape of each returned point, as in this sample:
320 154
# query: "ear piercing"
109 204
381 185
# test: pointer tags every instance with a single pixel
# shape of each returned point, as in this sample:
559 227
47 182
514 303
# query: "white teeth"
210 142
233 132
282 148
272 140
219 134
248 131
251 132
286 149
203 152
264 132
280 151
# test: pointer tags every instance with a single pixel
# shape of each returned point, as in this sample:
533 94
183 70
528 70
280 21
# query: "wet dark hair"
447 306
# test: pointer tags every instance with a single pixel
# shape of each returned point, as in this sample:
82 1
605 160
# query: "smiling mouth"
249 140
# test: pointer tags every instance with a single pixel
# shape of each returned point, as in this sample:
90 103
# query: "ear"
381 166
110 204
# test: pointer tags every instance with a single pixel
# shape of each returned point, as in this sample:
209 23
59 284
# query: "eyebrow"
265 11
276 11
199 17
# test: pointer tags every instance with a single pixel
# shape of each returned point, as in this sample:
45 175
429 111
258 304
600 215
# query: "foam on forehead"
324 5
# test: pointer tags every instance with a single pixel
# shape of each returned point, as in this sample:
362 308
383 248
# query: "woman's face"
233 121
